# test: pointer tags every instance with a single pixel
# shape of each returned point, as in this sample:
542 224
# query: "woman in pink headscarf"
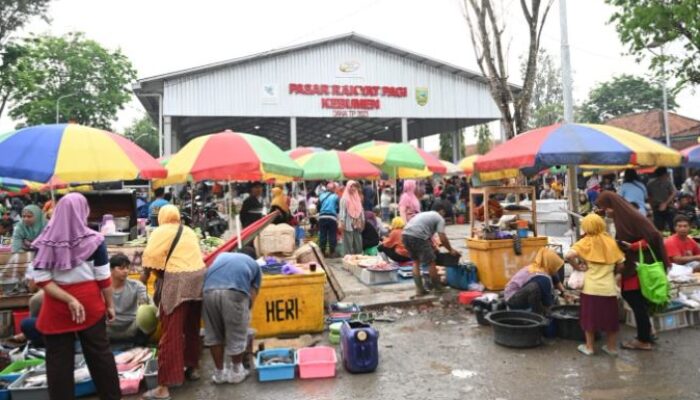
409 204
72 267
351 218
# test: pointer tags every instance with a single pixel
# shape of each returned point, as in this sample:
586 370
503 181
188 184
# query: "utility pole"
568 107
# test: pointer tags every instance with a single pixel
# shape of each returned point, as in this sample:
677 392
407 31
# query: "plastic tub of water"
316 362
275 372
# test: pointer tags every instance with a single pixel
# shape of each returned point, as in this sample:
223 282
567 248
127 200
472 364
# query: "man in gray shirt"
417 237
135 317
662 193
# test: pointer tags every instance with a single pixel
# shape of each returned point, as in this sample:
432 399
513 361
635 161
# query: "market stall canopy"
392 156
302 151
336 165
22 186
74 153
691 156
574 144
228 156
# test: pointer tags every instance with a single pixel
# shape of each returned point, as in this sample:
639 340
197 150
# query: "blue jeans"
28 326
328 234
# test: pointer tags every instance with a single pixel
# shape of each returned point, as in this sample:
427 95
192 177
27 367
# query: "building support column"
404 130
293 132
420 143
167 136
455 147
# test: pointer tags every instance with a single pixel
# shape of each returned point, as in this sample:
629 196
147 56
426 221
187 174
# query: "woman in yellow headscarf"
392 245
598 255
280 203
173 253
533 286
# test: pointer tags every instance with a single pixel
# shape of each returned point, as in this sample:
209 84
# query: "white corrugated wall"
238 90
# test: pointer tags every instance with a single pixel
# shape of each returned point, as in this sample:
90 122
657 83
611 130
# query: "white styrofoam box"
276 239
558 229
378 277
546 206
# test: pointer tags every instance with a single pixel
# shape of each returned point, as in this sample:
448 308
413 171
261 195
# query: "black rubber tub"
567 324
519 329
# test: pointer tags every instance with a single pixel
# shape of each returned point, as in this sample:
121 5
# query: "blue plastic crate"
281 372
85 388
461 276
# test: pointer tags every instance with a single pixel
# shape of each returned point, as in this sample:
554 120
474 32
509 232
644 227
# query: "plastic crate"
280 372
461 276
17 392
316 362
370 278
150 376
11 372
6 323
17 317
663 322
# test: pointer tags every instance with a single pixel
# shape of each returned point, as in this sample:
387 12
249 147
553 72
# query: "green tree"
484 139
624 94
547 105
446 146
645 24
14 15
143 132
92 79
486 21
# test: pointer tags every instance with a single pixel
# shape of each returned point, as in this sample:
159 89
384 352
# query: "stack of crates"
663 322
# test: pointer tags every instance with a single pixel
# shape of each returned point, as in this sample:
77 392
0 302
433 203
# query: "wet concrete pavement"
441 353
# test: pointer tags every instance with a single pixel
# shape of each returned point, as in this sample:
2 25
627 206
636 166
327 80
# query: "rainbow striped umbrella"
336 165
228 156
302 151
392 156
574 144
691 156
73 153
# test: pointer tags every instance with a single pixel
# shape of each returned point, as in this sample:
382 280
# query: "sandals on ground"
637 345
584 350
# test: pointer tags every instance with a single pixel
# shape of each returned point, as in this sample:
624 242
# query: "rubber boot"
437 286
420 289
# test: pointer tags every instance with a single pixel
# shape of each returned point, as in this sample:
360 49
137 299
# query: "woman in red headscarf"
351 218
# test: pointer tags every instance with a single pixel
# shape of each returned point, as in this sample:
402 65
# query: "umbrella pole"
573 197
238 231
53 197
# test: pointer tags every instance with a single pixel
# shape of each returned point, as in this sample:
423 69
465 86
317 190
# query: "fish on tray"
132 359
277 360
80 375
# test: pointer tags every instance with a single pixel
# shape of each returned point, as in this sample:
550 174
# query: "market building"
332 93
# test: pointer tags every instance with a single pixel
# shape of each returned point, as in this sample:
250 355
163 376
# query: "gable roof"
351 36
651 124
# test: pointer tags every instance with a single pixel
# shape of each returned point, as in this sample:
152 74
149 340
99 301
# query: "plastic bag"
576 279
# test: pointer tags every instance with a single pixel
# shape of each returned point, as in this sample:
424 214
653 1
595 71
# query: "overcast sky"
162 36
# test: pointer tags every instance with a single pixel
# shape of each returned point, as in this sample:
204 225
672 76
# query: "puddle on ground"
463 373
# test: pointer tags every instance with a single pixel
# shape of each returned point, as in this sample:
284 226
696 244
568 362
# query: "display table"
496 261
289 305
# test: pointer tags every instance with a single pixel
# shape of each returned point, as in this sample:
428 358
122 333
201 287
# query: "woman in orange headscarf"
598 255
351 218
173 253
533 286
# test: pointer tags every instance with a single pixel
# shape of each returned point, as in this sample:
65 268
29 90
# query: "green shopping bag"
653 282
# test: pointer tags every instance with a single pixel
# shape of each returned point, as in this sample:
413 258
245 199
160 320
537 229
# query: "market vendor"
417 238
156 205
135 317
392 245
533 286
231 285
370 234
280 203
252 209
31 225
681 248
